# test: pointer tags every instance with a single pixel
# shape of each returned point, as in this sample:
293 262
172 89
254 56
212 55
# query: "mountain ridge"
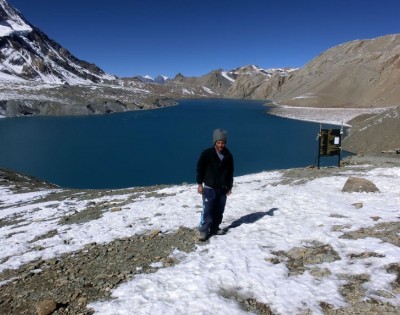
360 73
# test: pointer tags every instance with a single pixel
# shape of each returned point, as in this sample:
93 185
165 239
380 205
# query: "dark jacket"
213 172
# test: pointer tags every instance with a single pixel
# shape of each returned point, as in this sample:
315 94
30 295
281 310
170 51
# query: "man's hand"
200 189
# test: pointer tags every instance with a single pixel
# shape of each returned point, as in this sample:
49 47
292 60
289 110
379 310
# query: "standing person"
214 180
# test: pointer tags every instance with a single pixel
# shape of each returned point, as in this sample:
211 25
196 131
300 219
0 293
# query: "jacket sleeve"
231 171
201 165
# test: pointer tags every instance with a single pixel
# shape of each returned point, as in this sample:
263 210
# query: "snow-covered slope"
295 245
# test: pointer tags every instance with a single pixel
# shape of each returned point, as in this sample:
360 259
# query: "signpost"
330 143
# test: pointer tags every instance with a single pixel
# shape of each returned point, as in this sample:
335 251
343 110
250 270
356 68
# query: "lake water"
151 147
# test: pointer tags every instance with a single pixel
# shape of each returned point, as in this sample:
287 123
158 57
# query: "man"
214 180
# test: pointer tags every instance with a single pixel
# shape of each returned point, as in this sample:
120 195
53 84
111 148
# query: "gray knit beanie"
219 135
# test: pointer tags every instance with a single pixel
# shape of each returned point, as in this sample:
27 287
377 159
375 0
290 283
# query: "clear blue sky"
132 37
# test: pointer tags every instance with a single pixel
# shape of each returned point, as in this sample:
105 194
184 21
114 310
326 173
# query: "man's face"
220 145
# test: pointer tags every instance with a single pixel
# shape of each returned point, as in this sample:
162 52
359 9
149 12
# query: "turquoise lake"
161 146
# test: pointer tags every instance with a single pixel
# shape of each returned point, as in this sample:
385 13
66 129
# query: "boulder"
356 184
46 307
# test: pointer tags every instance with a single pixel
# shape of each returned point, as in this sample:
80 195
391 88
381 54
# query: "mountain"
145 78
40 77
27 53
360 73
216 81
161 79
236 83
250 80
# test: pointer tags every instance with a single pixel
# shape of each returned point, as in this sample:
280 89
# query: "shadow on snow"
250 218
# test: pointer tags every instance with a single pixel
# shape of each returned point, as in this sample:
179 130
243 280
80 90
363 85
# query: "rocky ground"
66 284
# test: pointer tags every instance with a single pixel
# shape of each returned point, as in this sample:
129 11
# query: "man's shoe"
203 236
219 232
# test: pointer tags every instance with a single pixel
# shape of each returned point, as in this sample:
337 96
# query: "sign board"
330 143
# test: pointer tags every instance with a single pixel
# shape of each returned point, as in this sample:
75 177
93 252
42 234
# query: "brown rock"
46 307
356 184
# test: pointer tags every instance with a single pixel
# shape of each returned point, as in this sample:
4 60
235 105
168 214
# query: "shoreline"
323 115
333 116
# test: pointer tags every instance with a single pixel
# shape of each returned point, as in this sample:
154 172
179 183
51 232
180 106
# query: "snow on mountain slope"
11 22
28 54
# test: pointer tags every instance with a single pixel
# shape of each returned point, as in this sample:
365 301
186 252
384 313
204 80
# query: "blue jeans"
214 201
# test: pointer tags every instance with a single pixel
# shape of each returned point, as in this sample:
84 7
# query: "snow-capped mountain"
237 83
161 79
253 70
145 78
27 54
31 62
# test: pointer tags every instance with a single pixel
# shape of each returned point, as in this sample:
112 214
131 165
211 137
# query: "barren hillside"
360 73
374 134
